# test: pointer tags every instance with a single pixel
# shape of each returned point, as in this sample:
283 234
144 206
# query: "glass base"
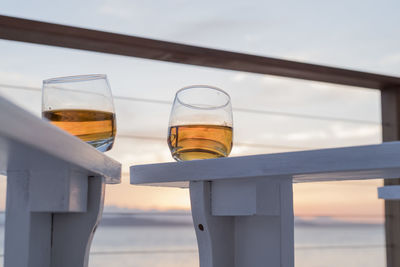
102 145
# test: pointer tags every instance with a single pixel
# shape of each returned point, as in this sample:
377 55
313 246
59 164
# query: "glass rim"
202 86
76 78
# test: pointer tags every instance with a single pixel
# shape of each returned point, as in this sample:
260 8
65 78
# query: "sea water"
175 246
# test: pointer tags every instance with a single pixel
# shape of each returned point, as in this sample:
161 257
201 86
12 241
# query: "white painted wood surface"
29 143
391 192
244 223
55 191
245 204
348 163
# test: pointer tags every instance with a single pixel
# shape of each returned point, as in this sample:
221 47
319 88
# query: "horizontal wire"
238 109
328 247
138 99
323 247
246 110
189 214
235 144
333 216
21 87
306 116
159 138
358 183
119 252
148 213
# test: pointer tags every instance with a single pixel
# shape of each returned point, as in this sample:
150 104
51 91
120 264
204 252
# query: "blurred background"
337 224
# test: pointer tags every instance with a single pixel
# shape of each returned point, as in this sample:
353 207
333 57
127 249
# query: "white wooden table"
55 191
242 207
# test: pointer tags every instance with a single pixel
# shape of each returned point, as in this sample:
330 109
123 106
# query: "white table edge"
333 164
54 142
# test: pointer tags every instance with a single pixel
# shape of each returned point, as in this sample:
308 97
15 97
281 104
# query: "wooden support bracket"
51 219
241 223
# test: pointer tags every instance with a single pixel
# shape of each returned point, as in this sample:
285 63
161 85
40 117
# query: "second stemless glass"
201 123
83 106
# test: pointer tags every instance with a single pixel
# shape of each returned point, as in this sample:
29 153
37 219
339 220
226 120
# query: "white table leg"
27 235
244 223
73 232
51 218
214 234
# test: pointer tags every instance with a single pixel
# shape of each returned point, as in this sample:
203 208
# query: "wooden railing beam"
38 32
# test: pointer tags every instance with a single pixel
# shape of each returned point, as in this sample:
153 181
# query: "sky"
360 35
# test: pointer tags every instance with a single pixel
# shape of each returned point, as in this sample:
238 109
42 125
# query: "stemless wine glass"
201 123
83 106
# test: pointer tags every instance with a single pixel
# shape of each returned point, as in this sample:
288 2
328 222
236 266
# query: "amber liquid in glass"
92 126
190 142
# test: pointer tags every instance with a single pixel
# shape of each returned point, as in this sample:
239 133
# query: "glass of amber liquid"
201 124
83 106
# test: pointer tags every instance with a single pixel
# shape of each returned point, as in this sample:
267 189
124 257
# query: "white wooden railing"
55 191
242 207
